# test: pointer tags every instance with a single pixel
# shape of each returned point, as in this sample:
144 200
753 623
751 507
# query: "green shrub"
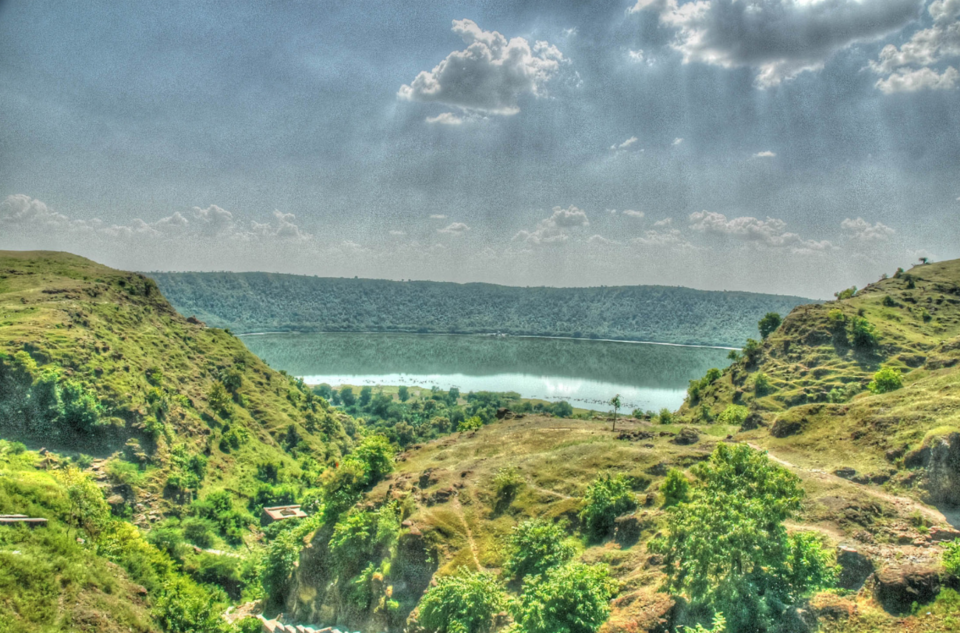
886 380
734 414
752 350
727 550
761 384
888 301
186 608
199 532
573 598
249 625
362 536
608 497
466 602
675 488
474 423
719 626
535 546
951 558
666 416
278 566
124 473
846 294
375 454
863 332
769 323
507 482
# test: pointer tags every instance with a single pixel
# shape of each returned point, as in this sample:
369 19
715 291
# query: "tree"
366 393
347 396
324 390
535 546
607 497
768 324
376 455
466 602
403 393
675 488
615 403
571 598
864 333
885 380
924 260
727 550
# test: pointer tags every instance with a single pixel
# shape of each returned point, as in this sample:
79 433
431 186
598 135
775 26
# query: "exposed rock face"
897 588
753 421
940 458
784 427
855 568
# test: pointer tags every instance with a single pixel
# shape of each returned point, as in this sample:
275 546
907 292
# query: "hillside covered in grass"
257 302
808 486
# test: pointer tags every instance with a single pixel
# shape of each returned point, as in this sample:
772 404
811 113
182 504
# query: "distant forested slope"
250 302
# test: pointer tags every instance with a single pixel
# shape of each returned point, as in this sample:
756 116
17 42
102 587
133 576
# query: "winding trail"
466 526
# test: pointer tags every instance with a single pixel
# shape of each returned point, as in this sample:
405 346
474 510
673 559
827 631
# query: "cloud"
490 75
438 216
767 154
398 233
555 228
919 79
860 229
777 38
770 233
664 222
635 56
908 68
668 238
445 118
23 216
571 32
677 141
633 214
624 145
599 240
454 228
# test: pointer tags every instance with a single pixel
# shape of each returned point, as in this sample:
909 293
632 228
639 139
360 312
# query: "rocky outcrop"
898 588
855 568
939 456
687 436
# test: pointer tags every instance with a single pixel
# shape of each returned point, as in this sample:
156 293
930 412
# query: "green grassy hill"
879 470
256 302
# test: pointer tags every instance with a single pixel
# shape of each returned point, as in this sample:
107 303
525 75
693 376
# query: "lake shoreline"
533 336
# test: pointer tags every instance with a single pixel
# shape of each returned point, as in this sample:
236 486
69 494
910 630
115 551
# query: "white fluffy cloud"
778 38
633 214
909 67
438 216
635 56
489 76
626 144
766 154
860 229
770 233
445 118
666 238
454 228
556 228
26 217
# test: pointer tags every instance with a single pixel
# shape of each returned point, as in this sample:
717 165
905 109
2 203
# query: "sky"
786 146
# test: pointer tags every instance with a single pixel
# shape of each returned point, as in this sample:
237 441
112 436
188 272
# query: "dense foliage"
571 598
608 496
250 302
535 546
727 550
466 602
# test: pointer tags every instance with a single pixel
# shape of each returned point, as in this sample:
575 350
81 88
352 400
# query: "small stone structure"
281 513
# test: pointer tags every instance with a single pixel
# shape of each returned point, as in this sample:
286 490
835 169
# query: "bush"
466 602
666 416
951 558
863 332
278 565
573 598
886 380
535 546
507 482
769 323
846 294
761 384
375 454
752 350
187 608
607 498
734 414
199 532
675 488
470 424
727 550
248 625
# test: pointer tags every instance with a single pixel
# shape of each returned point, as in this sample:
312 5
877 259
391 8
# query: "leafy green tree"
727 550
81 409
863 332
376 454
666 416
219 398
278 566
366 393
886 380
752 350
403 393
615 403
761 384
734 414
470 424
846 294
607 497
535 546
769 323
675 488
466 602
325 391
507 482
347 396
571 598
185 607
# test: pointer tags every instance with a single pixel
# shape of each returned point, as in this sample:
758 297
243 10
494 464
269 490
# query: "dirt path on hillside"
548 491
458 508
904 505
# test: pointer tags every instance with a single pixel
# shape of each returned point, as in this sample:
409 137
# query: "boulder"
845 472
686 436
898 588
786 427
855 568
504 414
753 421
627 529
